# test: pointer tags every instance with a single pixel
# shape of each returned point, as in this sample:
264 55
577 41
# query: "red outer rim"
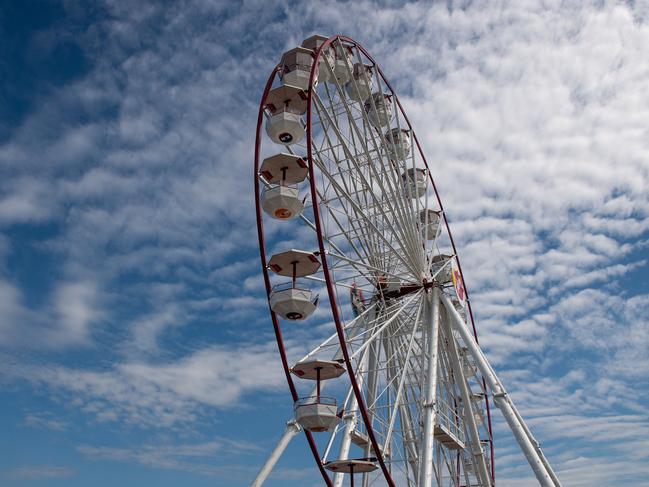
325 266
262 252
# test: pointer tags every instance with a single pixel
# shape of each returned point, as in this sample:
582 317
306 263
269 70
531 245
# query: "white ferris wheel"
395 389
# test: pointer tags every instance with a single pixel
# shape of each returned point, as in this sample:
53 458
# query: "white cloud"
26 200
161 394
41 472
76 309
182 457
532 115
45 420
66 319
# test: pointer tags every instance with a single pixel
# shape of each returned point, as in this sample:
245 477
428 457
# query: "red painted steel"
262 253
325 266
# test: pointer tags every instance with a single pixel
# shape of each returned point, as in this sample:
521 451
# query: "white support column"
530 447
292 429
477 452
345 443
537 446
431 319
350 417
372 377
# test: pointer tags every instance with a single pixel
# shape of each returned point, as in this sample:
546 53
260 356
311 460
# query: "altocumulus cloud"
135 178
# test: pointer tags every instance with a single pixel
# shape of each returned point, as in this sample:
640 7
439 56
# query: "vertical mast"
431 320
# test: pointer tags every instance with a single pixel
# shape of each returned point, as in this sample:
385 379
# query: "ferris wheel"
366 294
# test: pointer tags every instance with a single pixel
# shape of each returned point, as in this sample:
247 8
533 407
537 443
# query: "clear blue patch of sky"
39 52
30 266
258 422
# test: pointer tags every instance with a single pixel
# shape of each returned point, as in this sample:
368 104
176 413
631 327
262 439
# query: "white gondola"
430 221
415 182
379 109
296 67
282 202
351 466
288 300
284 168
293 303
285 127
398 142
282 199
359 88
343 64
316 414
441 268
313 43
318 369
286 105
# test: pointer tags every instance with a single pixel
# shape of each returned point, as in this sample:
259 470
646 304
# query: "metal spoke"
409 384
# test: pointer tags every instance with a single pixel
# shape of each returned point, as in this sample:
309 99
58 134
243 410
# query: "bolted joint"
349 416
293 426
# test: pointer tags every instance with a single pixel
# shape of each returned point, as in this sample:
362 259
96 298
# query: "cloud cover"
135 181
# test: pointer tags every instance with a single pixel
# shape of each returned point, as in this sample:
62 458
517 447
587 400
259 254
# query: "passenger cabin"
430 221
343 63
398 143
317 413
359 87
379 109
415 182
352 466
441 268
283 172
296 67
286 104
289 300
313 43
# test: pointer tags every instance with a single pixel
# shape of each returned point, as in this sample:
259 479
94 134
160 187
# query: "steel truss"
415 396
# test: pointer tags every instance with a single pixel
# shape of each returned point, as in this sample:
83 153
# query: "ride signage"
458 283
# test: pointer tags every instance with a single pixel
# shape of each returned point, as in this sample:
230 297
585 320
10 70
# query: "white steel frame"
406 348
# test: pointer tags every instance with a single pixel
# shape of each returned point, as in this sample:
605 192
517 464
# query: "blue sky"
135 343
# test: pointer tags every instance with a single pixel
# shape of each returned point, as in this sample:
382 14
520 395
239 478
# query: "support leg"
292 429
530 447
478 455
